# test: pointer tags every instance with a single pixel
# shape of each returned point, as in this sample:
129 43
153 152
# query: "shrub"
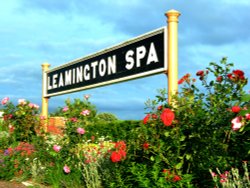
199 130
175 145
20 120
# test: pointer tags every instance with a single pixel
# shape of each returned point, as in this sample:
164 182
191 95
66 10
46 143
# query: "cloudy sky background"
59 31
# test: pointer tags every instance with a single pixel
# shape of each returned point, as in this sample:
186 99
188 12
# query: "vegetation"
187 144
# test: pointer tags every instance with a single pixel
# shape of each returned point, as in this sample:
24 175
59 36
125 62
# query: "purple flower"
6 152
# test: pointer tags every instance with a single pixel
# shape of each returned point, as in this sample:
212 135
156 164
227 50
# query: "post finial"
172 15
45 66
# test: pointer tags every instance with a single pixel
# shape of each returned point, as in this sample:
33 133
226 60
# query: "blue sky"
59 31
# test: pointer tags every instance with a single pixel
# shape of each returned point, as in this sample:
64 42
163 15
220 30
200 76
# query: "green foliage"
78 114
205 127
117 130
200 137
21 120
106 117
206 119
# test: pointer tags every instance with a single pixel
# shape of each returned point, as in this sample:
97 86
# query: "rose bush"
207 127
21 120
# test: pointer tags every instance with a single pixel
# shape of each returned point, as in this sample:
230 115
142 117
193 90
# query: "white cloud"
62 31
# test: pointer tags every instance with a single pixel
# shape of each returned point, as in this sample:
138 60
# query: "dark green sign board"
139 57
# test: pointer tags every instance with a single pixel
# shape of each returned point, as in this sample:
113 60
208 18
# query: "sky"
58 31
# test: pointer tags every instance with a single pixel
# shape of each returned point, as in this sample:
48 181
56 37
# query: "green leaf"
166 134
188 156
211 83
152 158
179 165
182 138
245 98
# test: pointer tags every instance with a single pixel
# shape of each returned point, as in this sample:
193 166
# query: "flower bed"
182 145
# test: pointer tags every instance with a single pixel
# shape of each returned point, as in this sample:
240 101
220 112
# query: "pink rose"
248 116
42 118
65 109
31 105
236 123
80 130
66 169
86 97
5 100
73 119
213 174
11 128
85 112
57 148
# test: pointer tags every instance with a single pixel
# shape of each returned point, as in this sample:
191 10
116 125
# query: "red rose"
122 153
159 108
238 73
184 78
145 145
176 178
120 145
146 118
154 116
230 76
167 117
167 172
164 170
115 157
235 109
200 73
242 77
181 81
219 79
5 117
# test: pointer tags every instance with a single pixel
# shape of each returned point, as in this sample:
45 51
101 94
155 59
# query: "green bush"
205 127
197 132
21 120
